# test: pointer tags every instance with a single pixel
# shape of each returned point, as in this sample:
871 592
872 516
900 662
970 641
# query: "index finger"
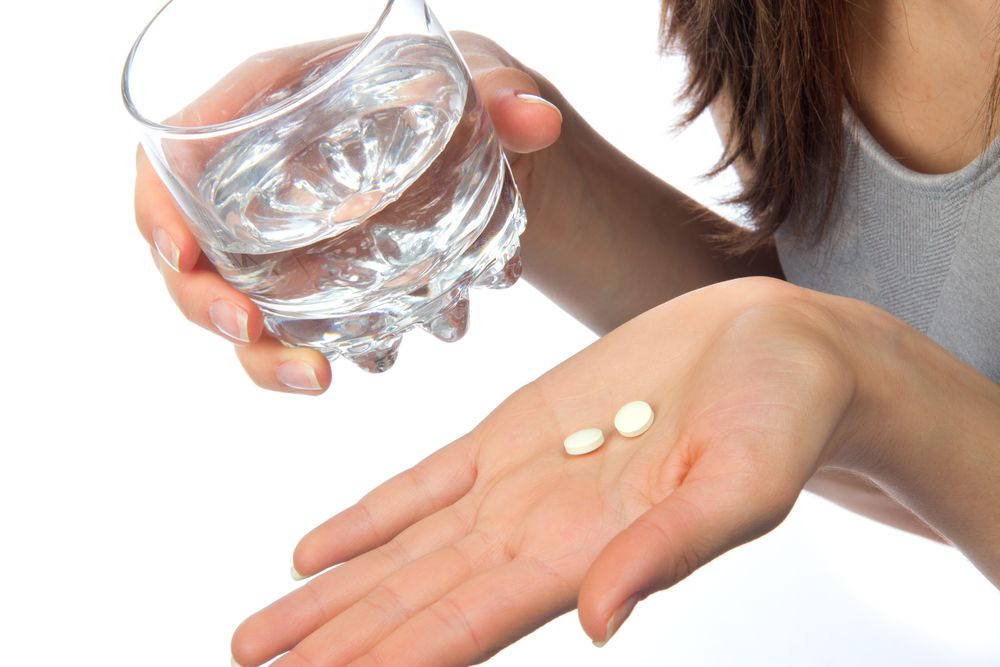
475 620
159 220
432 484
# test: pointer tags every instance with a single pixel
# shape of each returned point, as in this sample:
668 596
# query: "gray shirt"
925 248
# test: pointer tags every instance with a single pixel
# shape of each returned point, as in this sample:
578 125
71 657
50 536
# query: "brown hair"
783 67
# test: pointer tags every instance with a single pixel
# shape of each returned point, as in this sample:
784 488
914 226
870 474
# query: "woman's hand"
525 124
753 387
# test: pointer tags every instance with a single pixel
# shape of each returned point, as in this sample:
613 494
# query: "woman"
865 138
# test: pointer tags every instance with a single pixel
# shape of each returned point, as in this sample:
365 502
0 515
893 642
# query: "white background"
150 495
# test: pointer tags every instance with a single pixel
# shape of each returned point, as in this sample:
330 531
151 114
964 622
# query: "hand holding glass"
353 187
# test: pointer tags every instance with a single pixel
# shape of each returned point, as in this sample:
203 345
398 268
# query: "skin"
923 69
760 389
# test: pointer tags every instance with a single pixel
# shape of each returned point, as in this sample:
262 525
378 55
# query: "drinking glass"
333 161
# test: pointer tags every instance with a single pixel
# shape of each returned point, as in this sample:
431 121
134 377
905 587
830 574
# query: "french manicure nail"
230 320
298 375
535 99
618 618
295 574
167 249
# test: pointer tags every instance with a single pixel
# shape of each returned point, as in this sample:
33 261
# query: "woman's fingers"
271 365
476 619
415 513
287 621
207 300
524 121
721 503
160 221
197 289
395 600
432 484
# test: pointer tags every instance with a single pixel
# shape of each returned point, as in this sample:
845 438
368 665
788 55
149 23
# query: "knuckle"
374 658
317 600
463 36
463 515
140 216
465 559
477 47
396 553
244 355
368 518
485 547
450 615
502 76
261 382
474 42
478 64
387 603
688 555
185 298
417 478
300 657
140 225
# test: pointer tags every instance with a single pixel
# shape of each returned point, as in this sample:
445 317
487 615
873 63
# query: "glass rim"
300 97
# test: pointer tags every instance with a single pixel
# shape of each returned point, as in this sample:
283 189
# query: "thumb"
524 119
707 515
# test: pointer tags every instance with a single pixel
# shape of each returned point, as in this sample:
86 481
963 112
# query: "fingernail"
229 319
298 375
295 574
618 618
168 250
535 99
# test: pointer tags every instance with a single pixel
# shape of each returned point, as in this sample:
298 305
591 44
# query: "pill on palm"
584 442
634 419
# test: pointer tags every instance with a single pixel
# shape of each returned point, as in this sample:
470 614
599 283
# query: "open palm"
501 531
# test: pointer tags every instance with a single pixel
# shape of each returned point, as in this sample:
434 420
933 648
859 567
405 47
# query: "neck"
924 72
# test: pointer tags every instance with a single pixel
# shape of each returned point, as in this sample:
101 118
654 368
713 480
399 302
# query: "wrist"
550 180
569 245
925 428
871 344
911 396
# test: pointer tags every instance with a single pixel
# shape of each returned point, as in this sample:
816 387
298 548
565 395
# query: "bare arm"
861 495
932 426
608 240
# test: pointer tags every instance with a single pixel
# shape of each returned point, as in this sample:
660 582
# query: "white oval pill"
584 442
634 419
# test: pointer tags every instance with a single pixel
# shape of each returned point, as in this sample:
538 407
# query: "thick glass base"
371 339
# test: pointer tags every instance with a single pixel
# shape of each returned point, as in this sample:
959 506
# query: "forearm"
859 494
607 240
928 432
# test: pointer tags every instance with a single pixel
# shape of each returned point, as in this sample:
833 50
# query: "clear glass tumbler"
334 163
